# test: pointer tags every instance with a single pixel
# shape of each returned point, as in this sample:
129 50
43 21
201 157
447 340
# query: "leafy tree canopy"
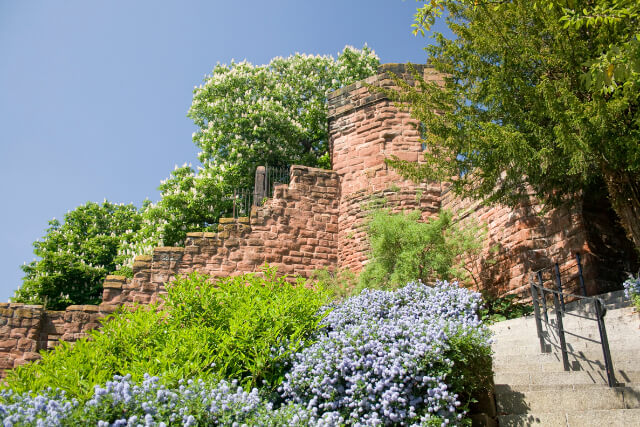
247 115
540 95
77 254
272 114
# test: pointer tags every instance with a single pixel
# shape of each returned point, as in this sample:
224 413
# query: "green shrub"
340 284
243 327
404 249
130 342
253 323
497 309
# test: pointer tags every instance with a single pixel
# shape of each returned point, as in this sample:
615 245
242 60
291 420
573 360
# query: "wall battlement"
318 221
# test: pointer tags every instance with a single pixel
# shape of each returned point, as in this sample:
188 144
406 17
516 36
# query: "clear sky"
94 94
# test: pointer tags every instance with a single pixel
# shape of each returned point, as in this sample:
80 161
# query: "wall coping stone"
168 249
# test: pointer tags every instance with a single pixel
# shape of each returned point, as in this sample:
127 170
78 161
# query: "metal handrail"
538 293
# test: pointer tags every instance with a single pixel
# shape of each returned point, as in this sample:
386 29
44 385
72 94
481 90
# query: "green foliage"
76 255
472 373
243 327
250 115
497 309
272 114
404 249
539 96
130 342
254 323
341 283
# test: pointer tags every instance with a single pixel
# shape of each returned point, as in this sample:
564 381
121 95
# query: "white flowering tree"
248 115
274 114
75 255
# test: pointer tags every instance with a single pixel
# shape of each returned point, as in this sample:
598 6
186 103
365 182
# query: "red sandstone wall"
27 329
294 231
365 127
521 241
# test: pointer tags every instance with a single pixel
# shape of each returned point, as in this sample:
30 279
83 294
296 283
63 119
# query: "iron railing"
539 297
267 177
242 199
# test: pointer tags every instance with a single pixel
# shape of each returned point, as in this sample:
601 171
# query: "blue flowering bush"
632 290
407 357
122 402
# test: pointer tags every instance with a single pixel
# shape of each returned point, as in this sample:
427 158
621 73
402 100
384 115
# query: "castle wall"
294 231
319 221
365 127
27 329
521 241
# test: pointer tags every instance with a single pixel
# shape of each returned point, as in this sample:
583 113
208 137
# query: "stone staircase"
532 388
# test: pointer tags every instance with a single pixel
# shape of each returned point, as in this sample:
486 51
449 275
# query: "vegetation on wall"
251 115
261 351
403 248
244 327
539 96
75 255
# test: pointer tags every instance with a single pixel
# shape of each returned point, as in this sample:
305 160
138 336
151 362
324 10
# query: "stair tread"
621 417
532 387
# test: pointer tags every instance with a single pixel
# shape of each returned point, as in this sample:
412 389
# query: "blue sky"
94 94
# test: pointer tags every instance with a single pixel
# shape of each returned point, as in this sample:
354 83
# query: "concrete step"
624 315
552 362
573 344
624 371
614 332
619 325
596 418
528 329
565 377
565 400
522 388
591 358
532 388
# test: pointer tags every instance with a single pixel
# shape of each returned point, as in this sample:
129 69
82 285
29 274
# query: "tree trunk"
624 193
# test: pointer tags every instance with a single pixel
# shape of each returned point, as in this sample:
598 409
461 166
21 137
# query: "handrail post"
600 313
544 297
536 313
580 277
560 287
563 343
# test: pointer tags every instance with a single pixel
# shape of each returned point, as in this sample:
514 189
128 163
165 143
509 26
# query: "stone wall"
294 231
365 127
27 329
318 220
523 240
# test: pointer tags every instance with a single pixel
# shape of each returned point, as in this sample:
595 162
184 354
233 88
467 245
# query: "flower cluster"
385 356
123 403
